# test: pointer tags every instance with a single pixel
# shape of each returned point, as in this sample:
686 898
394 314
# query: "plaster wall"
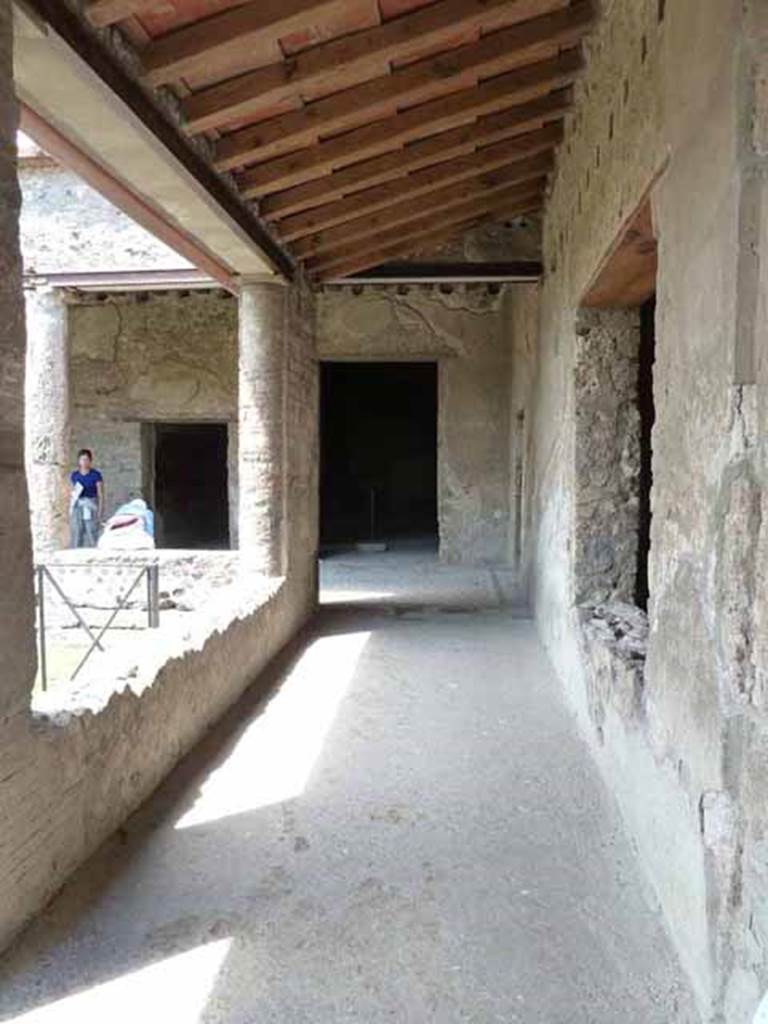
669 102
464 331
145 358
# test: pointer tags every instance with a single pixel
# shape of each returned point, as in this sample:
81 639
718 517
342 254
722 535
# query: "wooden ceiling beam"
226 39
414 243
106 12
400 250
493 54
457 142
520 198
420 183
516 87
529 174
401 38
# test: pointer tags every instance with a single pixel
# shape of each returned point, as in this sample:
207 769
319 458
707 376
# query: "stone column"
47 419
261 427
17 636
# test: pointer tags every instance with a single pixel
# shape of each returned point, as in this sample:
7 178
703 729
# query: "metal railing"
44 574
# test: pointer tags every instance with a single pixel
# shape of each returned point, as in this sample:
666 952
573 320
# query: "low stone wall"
73 773
74 767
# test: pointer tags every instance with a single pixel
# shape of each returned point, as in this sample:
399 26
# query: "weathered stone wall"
521 327
88 233
463 330
607 455
145 358
17 664
670 101
68 779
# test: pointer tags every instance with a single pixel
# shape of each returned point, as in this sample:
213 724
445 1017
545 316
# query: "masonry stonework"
16 599
47 441
667 108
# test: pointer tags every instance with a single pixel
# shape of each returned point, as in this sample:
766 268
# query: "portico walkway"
409 830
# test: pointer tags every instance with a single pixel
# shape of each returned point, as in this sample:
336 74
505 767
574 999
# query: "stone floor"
406 829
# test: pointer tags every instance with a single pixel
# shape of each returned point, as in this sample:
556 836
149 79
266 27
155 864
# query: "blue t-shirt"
88 482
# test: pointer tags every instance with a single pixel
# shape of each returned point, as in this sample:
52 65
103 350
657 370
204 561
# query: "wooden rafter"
107 12
522 197
402 38
532 170
515 87
226 38
500 51
456 142
415 242
423 182
398 250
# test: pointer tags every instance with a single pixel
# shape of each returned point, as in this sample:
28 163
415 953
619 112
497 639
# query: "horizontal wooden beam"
421 183
107 12
515 87
390 166
518 197
398 250
401 38
403 248
427 272
66 153
493 54
86 44
226 39
531 171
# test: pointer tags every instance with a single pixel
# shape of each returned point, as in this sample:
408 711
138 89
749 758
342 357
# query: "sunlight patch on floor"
273 759
183 983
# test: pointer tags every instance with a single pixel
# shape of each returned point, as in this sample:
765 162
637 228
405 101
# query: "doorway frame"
392 359
148 441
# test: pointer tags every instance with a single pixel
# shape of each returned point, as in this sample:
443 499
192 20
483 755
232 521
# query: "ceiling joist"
494 54
531 171
425 181
398 250
363 131
107 12
456 142
400 39
515 87
415 241
226 39
521 198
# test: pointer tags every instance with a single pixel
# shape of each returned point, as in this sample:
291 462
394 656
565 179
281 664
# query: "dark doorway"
378 478
191 499
647 411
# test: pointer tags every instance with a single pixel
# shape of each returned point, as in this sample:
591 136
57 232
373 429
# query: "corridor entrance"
378 452
189 463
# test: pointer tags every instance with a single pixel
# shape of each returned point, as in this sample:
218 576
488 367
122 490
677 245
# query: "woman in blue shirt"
87 504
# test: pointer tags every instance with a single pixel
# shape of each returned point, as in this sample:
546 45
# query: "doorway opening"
189 484
378 476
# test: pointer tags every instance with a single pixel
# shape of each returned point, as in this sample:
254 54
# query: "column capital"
258 280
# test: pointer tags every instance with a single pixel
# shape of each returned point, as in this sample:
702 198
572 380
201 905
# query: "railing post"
41 626
153 596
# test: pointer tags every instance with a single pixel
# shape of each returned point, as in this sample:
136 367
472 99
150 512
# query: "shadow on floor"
396 823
